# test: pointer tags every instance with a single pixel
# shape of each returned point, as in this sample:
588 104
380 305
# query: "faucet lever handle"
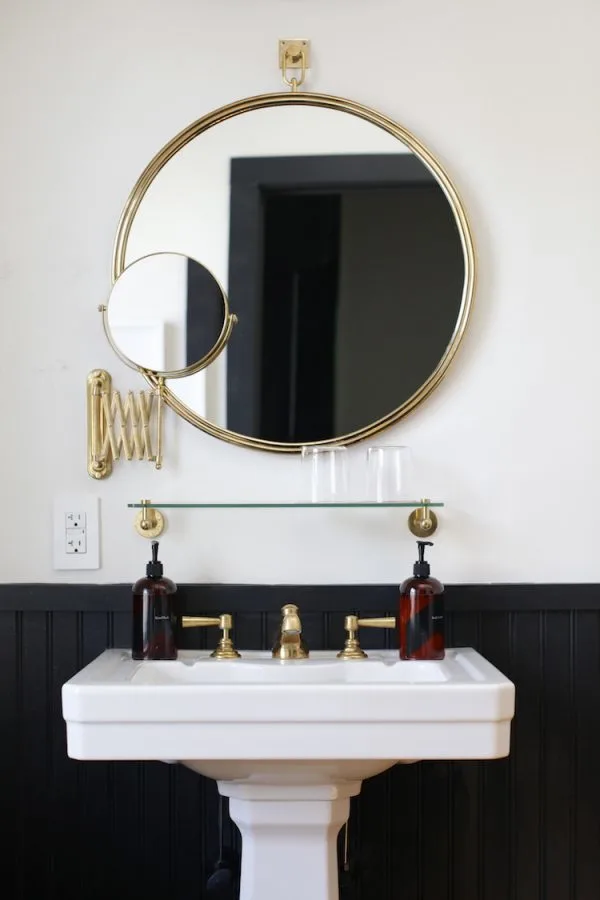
225 648
385 622
352 648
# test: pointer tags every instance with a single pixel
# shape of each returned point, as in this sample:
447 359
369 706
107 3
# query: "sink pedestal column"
289 837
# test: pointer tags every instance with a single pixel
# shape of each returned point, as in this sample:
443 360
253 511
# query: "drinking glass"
387 473
328 471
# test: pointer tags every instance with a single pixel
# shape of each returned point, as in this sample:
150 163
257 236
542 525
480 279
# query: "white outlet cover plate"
76 503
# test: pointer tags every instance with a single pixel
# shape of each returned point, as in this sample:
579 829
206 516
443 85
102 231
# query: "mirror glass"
165 313
341 257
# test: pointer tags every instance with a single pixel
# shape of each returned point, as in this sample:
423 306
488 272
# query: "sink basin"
289 742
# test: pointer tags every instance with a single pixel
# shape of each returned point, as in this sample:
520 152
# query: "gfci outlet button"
76 532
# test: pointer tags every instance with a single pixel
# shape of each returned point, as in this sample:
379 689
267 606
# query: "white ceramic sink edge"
260 709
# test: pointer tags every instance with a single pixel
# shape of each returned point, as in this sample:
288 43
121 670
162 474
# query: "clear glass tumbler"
328 471
387 474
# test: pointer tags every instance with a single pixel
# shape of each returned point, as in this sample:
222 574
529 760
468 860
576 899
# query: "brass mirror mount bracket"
422 521
294 54
99 464
225 648
352 648
149 522
119 425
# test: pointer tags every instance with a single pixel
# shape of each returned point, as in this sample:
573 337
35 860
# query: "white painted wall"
504 93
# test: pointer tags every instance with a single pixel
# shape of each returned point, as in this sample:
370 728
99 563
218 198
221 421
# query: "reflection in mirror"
340 253
165 312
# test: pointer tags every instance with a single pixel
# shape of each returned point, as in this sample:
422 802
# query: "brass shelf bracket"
118 427
149 522
294 54
422 521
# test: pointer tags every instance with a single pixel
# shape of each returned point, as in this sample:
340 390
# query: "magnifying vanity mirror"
344 252
167 314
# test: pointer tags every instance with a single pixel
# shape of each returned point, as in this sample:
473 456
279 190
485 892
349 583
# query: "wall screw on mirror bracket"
423 522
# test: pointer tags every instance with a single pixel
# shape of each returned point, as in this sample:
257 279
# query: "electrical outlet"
75 520
76 537
76 540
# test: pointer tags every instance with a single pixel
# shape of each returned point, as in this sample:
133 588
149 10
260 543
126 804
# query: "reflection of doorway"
294 366
299 311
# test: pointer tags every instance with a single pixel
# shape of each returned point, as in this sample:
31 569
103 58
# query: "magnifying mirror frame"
229 320
265 101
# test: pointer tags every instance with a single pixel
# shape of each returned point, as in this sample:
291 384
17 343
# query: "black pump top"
422 568
154 569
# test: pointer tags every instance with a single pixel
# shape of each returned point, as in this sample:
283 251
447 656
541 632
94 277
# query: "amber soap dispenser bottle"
421 619
153 613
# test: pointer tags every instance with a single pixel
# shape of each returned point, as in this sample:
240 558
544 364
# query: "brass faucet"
352 648
225 648
289 643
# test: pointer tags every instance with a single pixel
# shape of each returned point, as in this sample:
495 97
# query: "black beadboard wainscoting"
524 828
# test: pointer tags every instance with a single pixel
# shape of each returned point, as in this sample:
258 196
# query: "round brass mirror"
167 315
344 250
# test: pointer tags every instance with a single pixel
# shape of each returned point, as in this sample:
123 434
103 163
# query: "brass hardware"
367 114
115 426
225 648
385 622
352 648
423 522
149 522
159 414
99 462
294 53
289 643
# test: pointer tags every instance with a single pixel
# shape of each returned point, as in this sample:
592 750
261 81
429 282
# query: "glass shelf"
366 504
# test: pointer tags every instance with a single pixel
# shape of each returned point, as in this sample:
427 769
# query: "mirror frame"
229 320
264 101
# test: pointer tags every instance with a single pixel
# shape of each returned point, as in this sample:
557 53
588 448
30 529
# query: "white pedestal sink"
288 742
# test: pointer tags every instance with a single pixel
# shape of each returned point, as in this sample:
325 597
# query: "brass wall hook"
149 522
294 53
423 522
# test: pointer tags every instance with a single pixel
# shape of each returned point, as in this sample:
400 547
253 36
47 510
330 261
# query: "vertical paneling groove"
9 753
512 816
573 758
587 798
481 800
450 832
542 761
527 828
21 772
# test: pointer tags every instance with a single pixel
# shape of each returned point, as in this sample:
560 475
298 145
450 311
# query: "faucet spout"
289 643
